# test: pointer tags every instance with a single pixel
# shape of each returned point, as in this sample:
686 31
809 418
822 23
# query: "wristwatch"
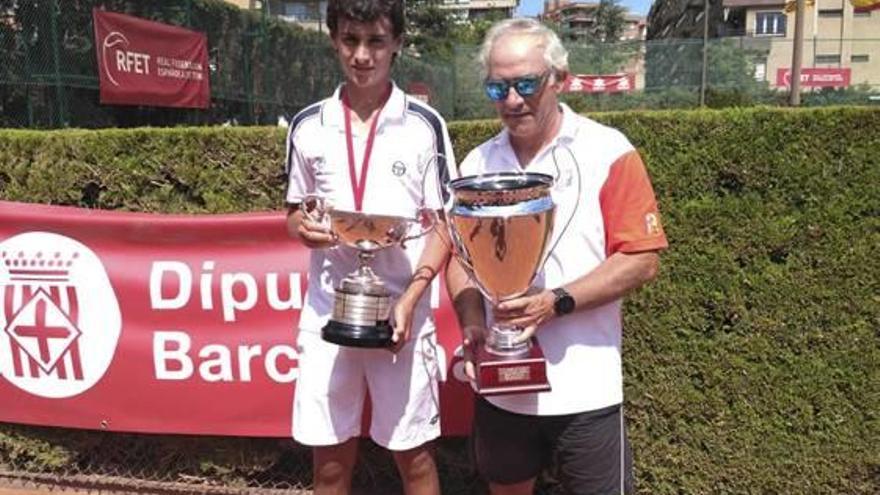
564 303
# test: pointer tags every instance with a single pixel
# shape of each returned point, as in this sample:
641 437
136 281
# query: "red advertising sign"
865 5
816 78
143 62
420 90
163 323
609 83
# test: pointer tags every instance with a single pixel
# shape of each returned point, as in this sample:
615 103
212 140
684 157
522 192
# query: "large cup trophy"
362 302
501 225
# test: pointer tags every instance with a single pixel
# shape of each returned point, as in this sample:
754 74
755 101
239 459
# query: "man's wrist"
473 333
563 302
411 295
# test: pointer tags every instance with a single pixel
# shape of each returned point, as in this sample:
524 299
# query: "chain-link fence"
263 67
69 459
186 464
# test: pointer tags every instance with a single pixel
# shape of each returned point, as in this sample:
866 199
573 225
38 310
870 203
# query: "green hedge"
752 364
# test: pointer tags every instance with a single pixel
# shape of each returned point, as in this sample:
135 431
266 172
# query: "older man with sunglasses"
608 248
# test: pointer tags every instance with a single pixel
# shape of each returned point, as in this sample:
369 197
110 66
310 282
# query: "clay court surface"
6 489
10 489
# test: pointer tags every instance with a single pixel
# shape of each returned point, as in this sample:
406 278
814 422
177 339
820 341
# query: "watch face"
564 303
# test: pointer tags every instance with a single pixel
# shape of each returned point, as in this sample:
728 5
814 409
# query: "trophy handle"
315 208
441 185
426 218
556 183
444 193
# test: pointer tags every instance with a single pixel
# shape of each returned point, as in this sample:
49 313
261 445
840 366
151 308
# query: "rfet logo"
59 320
117 58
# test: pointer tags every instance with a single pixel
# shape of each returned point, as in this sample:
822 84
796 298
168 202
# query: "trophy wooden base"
499 375
374 336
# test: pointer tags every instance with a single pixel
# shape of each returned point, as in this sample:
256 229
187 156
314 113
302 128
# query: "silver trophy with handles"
501 226
362 301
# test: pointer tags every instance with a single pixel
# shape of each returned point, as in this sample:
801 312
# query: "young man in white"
366 148
608 248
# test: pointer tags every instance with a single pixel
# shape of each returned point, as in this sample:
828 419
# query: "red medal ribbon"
359 186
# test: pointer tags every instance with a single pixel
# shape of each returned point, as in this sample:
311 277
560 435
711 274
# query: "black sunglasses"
525 86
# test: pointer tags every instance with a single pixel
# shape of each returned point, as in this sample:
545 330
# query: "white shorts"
334 380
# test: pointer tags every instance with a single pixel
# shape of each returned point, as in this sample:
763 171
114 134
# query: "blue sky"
533 7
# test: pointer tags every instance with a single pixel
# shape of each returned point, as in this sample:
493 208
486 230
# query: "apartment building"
474 9
577 19
306 13
841 45
243 4
310 13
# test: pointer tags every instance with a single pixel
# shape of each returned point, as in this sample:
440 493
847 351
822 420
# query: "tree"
450 45
610 21
595 48
436 32
428 29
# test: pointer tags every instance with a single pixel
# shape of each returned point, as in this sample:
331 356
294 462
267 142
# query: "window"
863 13
770 24
294 8
760 71
827 59
830 12
297 10
859 58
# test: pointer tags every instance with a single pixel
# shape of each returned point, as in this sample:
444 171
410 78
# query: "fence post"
266 67
794 80
248 82
29 74
60 111
247 77
455 50
267 80
704 70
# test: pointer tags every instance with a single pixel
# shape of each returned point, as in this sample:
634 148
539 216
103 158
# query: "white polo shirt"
614 211
409 134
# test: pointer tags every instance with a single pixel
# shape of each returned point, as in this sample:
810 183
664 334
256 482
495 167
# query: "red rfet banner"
816 78
143 62
163 323
592 83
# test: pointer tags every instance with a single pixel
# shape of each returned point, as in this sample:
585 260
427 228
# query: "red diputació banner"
594 83
143 62
163 323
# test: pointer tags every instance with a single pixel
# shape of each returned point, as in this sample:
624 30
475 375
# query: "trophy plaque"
362 302
501 225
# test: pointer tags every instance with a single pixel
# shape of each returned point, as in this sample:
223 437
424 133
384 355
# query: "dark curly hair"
365 11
